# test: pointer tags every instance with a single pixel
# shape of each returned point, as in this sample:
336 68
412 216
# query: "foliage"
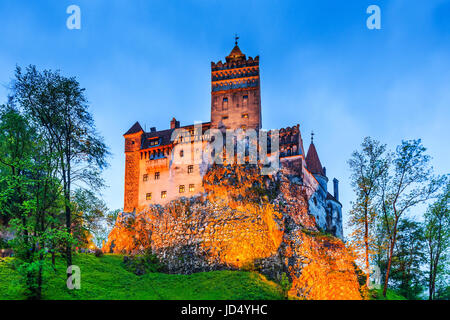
406 275
88 219
30 195
58 109
387 186
437 235
142 264
285 284
98 252
367 166
377 294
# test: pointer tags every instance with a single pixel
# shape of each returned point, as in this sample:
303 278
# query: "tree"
89 217
30 195
367 167
437 235
409 182
408 258
58 107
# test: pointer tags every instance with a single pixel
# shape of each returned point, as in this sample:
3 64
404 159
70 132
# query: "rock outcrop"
244 221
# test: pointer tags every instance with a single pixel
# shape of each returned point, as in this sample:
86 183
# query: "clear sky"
320 65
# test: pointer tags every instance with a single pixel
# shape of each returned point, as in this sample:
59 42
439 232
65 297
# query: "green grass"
377 294
106 278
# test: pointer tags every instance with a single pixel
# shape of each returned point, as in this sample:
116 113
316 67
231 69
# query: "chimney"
153 129
174 123
336 188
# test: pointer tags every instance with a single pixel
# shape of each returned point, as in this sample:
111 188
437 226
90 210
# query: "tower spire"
312 137
236 38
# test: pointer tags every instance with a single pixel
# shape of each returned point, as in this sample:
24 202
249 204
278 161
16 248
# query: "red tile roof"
134 129
313 162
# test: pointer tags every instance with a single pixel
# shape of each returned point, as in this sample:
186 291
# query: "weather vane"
312 136
236 38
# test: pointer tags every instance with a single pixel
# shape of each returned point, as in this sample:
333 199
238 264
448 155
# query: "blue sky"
320 67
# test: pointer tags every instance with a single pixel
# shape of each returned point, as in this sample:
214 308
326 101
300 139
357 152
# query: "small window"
148 196
224 117
190 168
145 177
244 101
163 194
245 115
191 188
181 153
157 175
181 189
225 104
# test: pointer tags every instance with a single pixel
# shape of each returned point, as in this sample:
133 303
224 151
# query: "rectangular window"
224 117
244 101
148 196
225 104
190 169
156 175
191 188
181 189
145 178
163 194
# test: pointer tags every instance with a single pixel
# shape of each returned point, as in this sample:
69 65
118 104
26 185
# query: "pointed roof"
313 161
235 54
134 129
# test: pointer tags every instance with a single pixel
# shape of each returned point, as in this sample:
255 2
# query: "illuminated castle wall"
152 176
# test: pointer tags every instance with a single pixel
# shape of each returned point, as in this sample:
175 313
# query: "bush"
142 264
248 266
285 285
98 253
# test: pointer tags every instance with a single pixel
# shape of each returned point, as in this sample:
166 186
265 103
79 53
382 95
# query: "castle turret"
315 167
235 92
133 140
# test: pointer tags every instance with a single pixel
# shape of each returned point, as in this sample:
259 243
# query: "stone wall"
247 221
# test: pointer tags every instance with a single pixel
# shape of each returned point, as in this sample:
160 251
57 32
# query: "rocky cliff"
244 221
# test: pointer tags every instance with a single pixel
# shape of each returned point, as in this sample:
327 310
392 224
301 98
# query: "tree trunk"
391 253
366 243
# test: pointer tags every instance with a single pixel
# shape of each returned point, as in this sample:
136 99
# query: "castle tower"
315 167
133 139
235 92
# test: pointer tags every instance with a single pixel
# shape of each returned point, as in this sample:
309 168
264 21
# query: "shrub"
142 264
98 252
285 284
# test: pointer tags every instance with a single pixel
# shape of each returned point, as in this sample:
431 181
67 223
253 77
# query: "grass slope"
106 278
377 294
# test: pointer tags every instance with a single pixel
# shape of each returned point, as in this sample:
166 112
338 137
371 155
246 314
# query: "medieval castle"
152 177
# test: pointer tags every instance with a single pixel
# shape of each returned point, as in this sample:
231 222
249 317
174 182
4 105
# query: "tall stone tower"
235 92
133 141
